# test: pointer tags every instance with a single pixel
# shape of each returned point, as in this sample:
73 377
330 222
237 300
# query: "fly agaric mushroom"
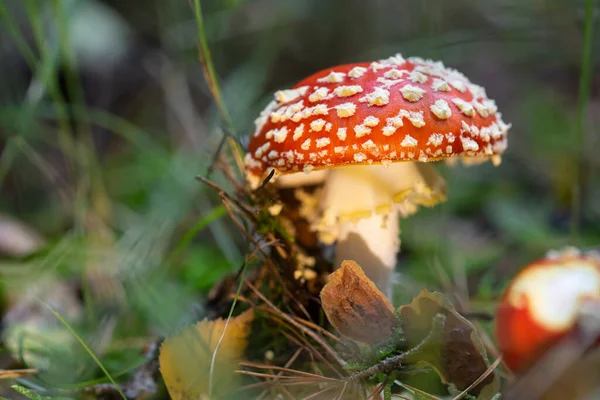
351 125
543 303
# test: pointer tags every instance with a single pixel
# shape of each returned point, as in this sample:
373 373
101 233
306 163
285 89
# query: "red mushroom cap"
543 303
381 112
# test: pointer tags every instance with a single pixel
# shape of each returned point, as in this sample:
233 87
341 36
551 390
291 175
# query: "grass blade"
584 96
85 346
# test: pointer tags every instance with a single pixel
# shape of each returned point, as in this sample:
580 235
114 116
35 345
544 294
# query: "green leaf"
452 348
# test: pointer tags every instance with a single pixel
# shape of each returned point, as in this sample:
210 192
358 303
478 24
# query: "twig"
390 363
291 320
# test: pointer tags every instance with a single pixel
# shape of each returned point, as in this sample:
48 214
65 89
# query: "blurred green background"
106 118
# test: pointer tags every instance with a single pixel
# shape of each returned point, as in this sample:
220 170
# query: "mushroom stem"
360 209
374 244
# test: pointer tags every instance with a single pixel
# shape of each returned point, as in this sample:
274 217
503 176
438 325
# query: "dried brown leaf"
355 307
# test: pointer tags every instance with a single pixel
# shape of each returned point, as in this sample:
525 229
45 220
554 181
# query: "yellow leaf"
185 358
355 307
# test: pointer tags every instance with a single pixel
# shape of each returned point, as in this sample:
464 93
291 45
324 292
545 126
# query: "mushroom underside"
360 207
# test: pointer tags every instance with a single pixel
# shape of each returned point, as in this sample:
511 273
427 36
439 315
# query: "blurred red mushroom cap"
543 303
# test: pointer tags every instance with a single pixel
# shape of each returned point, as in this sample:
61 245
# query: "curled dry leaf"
185 357
355 307
458 354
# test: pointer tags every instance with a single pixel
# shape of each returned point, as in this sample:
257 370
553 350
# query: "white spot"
491 106
465 127
297 117
360 157
388 83
320 109
261 150
396 59
280 134
375 66
465 107
298 132
289 155
308 168
281 162
485 133
341 133
318 94
250 161
441 109
412 93
296 106
328 126
277 115
496 133
361 130
312 156
323 153
371 121
378 97
299 156
347 91
357 72
417 77
469 144
449 149
477 90
305 144
394 74
317 125
264 116
273 154
440 85
396 121
386 147
368 145
339 149
292 109
345 110
459 85
435 139
284 96
409 141
388 130
481 109
500 146
415 117
423 157
322 142
333 77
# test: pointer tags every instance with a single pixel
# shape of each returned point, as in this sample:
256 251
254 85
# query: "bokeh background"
106 118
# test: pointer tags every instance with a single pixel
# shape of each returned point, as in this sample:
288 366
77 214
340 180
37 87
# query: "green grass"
101 161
